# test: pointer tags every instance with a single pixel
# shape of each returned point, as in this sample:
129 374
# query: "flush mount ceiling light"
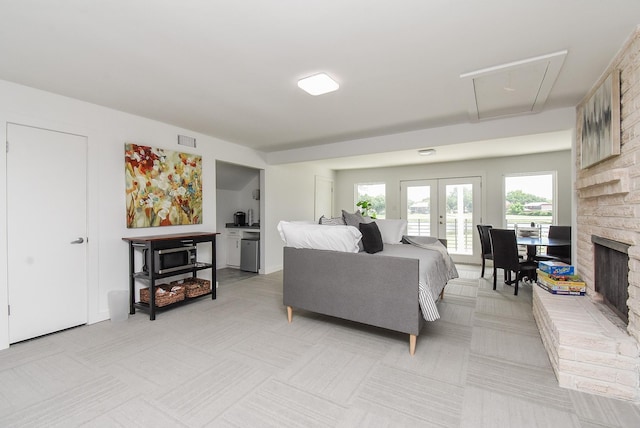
427 152
318 84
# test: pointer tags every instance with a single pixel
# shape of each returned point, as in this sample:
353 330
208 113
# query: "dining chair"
505 256
559 253
485 242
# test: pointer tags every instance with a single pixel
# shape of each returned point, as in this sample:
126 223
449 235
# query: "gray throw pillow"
354 220
333 221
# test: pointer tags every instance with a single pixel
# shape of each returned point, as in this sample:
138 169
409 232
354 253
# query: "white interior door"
323 198
46 214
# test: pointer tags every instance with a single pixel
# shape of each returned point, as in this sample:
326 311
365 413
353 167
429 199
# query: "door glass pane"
459 218
444 208
419 210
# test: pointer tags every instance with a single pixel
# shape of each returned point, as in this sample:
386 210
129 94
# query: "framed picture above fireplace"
600 120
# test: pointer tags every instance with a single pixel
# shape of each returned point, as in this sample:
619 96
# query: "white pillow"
391 230
319 237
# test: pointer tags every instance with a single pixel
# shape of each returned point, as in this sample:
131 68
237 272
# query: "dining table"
532 242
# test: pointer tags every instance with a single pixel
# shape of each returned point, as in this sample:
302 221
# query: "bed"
396 288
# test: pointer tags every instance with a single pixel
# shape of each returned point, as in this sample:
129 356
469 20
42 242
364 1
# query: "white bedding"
434 272
319 237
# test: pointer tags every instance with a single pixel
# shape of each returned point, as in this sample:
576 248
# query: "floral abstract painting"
163 187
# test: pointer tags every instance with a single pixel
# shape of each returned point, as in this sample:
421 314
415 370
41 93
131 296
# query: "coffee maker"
239 218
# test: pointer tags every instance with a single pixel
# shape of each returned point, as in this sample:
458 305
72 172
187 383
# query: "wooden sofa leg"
289 313
412 344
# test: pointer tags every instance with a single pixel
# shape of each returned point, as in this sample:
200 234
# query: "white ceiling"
229 68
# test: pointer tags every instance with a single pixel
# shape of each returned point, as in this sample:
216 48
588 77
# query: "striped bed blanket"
436 269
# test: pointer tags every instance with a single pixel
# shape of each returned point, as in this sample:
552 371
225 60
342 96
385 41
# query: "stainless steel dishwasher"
250 254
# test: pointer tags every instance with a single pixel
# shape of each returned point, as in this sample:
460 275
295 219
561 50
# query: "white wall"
227 202
289 195
492 172
107 130
246 199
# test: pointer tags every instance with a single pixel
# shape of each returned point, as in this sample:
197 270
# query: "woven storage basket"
194 287
163 299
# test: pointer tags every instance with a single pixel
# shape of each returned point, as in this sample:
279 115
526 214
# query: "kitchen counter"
233 226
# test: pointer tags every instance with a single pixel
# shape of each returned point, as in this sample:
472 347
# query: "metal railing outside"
420 227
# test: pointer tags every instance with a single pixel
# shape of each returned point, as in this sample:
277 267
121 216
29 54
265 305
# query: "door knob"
78 241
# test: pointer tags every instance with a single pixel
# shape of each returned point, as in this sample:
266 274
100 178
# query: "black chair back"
560 232
485 242
505 256
485 239
505 249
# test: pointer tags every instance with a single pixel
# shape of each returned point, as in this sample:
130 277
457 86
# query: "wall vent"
183 140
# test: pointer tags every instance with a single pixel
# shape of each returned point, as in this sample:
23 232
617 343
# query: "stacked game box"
556 268
560 278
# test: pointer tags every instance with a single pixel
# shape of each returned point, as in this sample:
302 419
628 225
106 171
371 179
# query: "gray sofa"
372 289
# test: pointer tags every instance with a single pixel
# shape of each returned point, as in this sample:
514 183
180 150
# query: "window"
529 198
375 194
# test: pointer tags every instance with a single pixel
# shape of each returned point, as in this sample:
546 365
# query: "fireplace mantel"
605 183
614 245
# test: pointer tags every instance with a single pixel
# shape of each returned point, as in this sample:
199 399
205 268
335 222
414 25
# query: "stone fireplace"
591 348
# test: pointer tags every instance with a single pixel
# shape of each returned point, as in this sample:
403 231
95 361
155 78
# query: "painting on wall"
163 187
600 137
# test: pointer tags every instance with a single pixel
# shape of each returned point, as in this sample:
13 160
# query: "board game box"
556 268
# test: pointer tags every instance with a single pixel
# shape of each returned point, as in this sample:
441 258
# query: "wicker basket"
166 298
194 287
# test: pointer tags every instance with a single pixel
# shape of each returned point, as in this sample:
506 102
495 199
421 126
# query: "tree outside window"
529 199
375 193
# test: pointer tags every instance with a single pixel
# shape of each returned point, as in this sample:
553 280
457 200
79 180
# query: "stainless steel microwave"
169 260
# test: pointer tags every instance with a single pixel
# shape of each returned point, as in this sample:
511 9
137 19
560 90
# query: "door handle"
78 241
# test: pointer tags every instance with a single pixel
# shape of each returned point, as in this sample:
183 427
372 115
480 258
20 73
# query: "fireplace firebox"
611 269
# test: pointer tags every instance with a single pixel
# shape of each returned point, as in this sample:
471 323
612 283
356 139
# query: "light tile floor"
236 362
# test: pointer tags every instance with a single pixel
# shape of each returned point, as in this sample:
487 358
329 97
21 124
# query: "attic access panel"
519 87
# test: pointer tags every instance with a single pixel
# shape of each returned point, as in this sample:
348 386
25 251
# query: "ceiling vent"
519 87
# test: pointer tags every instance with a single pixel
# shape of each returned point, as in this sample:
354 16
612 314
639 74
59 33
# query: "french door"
445 208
